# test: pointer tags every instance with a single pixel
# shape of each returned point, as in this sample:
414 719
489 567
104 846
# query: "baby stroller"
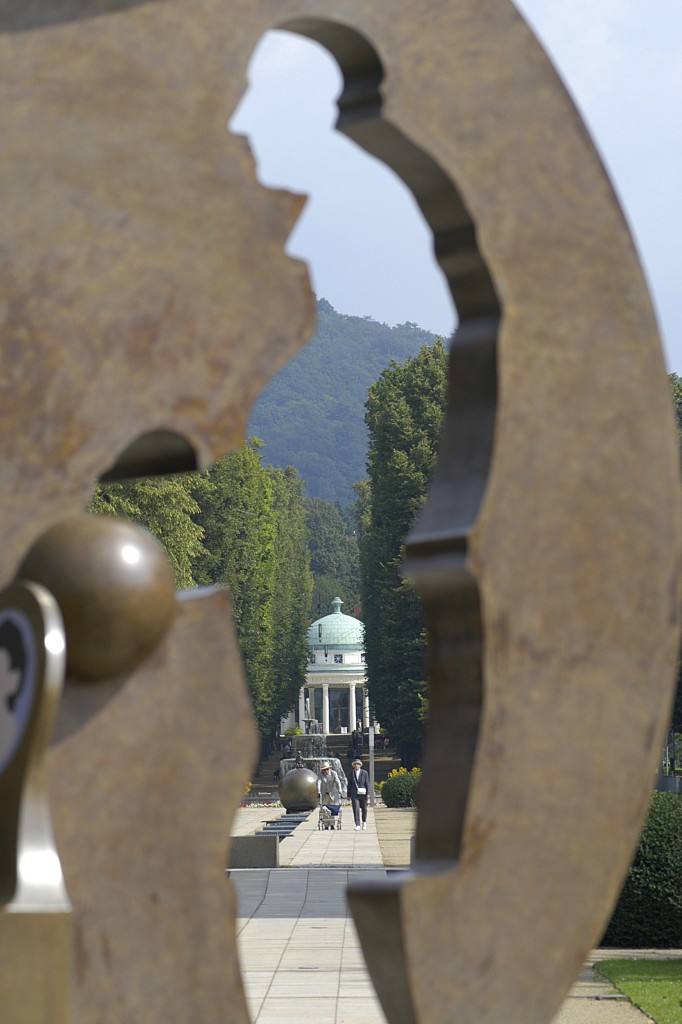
329 816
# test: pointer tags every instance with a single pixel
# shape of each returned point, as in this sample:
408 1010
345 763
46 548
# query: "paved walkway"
301 958
300 954
314 848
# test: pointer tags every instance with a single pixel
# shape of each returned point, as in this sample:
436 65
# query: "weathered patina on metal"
135 253
298 789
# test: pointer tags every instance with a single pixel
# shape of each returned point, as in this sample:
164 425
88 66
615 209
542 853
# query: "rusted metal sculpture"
135 250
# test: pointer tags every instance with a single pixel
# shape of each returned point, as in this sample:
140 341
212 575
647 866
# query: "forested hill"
312 415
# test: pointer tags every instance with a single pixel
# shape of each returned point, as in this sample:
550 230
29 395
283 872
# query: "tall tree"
404 416
244 526
166 507
291 593
676 392
239 536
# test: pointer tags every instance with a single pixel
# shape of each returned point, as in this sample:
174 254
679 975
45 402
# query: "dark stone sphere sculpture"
298 790
114 586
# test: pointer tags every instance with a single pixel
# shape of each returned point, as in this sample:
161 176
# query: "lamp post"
371 766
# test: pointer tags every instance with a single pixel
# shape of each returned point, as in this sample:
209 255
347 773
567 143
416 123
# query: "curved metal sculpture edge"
571 569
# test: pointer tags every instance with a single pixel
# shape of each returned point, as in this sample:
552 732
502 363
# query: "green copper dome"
336 630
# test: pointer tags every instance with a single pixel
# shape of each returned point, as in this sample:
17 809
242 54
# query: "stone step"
284 826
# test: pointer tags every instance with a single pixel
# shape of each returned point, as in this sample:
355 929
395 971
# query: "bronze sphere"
298 790
114 586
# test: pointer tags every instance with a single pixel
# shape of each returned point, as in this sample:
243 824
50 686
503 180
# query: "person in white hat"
329 785
358 791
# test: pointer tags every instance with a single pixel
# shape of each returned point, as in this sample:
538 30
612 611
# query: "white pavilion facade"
335 696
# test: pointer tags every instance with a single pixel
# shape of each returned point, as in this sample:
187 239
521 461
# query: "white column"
365 710
351 708
325 708
301 707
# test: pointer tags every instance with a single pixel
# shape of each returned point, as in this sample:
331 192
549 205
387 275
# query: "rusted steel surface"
144 291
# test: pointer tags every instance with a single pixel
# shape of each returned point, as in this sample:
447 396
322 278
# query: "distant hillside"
312 415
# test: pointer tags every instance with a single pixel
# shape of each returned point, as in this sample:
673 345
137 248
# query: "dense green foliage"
652 985
334 557
400 788
311 415
676 723
291 596
242 525
238 522
254 540
166 507
649 910
676 391
404 415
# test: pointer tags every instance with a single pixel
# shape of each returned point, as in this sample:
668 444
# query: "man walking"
358 792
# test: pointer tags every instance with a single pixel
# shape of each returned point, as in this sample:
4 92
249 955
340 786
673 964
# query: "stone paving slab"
300 954
309 846
592 1000
299 950
249 819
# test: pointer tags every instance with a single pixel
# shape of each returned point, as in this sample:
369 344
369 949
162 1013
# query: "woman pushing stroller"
330 790
329 785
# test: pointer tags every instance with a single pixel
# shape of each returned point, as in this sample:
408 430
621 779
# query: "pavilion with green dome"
335 695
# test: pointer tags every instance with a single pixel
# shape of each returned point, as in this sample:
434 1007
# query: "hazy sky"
368 248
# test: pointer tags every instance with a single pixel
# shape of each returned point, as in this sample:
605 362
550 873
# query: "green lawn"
655 986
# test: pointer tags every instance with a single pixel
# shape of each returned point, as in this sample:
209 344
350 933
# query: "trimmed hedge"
400 788
649 910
